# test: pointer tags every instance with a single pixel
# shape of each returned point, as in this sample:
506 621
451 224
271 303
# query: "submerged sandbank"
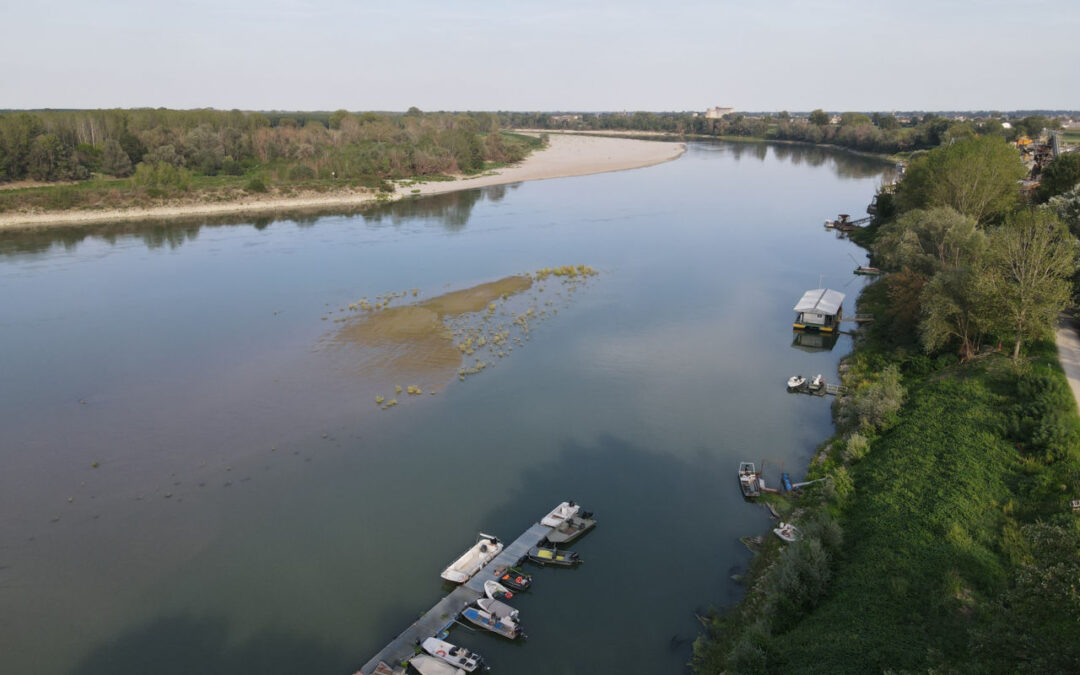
565 156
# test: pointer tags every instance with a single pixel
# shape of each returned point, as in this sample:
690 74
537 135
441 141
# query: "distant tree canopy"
55 145
1060 176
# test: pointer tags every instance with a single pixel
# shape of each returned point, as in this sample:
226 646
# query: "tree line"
74 145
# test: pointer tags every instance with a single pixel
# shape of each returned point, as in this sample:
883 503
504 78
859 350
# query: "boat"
817 383
559 514
572 528
498 609
513 578
459 657
496 591
504 627
787 532
543 555
785 482
430 665
865 269
482 552
796 382
749 481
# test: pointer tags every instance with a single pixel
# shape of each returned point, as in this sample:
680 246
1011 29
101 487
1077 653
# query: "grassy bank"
943 505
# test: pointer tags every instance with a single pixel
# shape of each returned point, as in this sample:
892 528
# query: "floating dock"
446 611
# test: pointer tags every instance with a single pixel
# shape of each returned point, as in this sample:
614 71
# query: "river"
197 478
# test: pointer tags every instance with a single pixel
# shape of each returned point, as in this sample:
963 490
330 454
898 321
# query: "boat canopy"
820 301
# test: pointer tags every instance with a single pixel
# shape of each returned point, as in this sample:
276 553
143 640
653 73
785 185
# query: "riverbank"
937 540
564 156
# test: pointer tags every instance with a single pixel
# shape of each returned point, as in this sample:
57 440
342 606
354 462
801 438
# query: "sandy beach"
565 156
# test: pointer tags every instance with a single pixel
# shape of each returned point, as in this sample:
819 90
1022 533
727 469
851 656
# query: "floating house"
820 309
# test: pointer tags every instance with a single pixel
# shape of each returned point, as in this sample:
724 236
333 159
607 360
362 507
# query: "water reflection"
451 210
814 341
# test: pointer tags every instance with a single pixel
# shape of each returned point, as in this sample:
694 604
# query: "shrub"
876 404
256 184
301 172
856 447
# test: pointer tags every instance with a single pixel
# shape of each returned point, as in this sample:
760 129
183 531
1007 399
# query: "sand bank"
565 156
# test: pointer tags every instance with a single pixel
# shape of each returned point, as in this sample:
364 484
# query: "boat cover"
820 301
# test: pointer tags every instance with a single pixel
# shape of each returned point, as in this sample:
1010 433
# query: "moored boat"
796 382
870 271
748 480
459 657
544 555
496 591
482 552
572 528
513 578
498 609
430 665
559 514
504 627
817 383
787 532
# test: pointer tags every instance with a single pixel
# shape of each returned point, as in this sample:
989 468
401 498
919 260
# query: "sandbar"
564 156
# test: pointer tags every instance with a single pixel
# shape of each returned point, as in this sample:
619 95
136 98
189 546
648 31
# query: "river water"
196 476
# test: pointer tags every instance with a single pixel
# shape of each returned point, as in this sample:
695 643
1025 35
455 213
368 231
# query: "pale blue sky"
584 55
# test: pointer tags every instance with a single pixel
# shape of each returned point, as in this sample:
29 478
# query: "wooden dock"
446 611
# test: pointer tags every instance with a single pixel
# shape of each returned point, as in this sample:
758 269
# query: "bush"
301 172
856 447
876 404
256 184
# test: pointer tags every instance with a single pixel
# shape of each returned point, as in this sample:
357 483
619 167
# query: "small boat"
470 562
459 657
497 609
513 578
870 271
430 665
552 556
817 383
785 482
749 480
504 627
572 528
496 591
787 532
796 382
559 514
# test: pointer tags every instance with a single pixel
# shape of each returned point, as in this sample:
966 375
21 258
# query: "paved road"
1068 344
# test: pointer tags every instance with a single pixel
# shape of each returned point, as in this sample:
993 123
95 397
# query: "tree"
953 307
975 176
336 117
114 161
1025 279
928 241
819 117
885 122
1060 176
48 159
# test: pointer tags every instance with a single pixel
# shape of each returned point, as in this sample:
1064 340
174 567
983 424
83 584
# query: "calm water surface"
192 482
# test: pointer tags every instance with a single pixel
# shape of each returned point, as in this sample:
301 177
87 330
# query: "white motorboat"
459 657
497 609
504 627
496 591
560 513
483 551
787 532
817 382
430 665
796 382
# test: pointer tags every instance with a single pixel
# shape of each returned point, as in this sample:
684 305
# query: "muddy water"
196 476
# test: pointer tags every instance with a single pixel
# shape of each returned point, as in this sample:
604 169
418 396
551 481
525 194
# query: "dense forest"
943 537
879 132
169 152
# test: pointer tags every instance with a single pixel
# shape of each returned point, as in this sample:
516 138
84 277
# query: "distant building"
717 112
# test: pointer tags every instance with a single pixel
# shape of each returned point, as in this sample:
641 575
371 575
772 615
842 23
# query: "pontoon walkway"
443 614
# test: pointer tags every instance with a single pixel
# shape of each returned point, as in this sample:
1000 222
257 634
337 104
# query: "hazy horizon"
591 57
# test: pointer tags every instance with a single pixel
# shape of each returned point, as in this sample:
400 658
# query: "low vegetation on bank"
115 158
877 133
944 539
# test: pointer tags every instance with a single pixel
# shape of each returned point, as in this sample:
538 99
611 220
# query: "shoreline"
565 156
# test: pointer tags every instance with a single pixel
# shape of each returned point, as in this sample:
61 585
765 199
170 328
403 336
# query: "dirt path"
1068 344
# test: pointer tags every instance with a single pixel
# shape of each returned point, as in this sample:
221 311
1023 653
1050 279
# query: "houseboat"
820 309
